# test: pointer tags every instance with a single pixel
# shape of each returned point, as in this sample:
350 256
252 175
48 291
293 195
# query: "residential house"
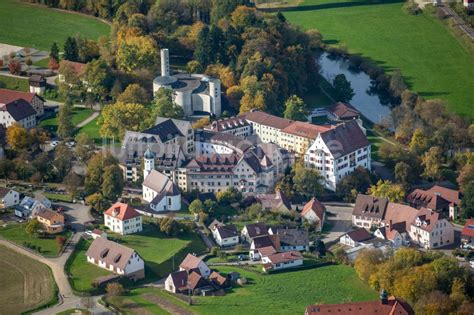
29 207
369 211
281 158
215 223
315 213
342 112
158 189
437 198
225 235
35 100
395 233
263 246
119 259
385 306
276 202
123 219
71 71
237 126
192 262
17 111
281 261
430 231
52 221
8 198
355 238
251 231
467 234
98 233
37 84
291 239
184 282
338 151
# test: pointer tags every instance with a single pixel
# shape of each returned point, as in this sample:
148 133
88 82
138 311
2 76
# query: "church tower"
149 162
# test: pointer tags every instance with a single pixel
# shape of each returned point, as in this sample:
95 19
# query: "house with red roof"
35 100
315 213
281 261
123 219
467 234
437 198
430 231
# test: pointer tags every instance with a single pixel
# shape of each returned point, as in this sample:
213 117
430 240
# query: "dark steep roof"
345 138
19 109
360 235
166 130
370 206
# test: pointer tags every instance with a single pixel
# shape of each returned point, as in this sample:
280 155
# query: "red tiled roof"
7 96
468 229
359 235
190 262
305 130
285 257
397 213
436 198
267 119
316 206
394 306
122 211
428 219
78 67
344 110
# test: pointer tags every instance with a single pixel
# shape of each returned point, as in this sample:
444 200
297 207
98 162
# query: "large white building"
18 111
429 230
123 219
198 94
337 152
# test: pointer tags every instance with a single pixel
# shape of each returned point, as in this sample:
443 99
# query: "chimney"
165 63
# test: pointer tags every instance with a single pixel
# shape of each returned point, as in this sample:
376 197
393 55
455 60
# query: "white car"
54 143
70 144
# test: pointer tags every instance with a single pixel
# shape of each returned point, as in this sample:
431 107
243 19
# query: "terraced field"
25 283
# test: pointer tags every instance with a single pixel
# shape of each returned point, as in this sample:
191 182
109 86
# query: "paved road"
340 218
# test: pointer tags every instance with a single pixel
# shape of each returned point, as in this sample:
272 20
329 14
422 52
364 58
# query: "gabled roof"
305 130
436 198
398 213
266 241
370 206
110 252
179 279
166 130
279 258
344 138
468 229
7 96
227 124
19 109
226 231
217 278
359 235
122 211
190 262
161 184
427 218
390 232
344 110
48 214
274 201
256 229
78 67
4 191
314 205
267 119
215 223
394 306
293 237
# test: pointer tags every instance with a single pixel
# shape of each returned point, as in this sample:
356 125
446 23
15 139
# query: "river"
368 104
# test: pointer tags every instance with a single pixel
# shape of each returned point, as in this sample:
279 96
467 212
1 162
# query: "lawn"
38 27
92 129
432 60
43 63
12 83
26 283
283 293
79 115
155 248
58 197
47 245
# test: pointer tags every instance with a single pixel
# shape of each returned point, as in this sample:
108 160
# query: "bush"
411 7
28 61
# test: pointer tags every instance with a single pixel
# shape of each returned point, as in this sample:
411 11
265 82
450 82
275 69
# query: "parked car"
54 143
467 246
70 144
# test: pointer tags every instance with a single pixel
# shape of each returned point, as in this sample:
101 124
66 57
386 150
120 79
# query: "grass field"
38 27
16 233
283 293
13 83
92 129
156 249
79 115
433 61
26 283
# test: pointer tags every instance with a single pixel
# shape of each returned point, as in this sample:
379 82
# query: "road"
339 217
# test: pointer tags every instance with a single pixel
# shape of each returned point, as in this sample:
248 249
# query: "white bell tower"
149 162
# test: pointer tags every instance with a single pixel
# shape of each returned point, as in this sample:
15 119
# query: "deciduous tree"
164 105
385 189
119 117
432 161
65 125
342 88
17 137
134 94
295 109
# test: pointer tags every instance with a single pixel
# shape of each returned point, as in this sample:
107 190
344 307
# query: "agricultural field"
433 61
30 283
38 32
155 248
283 293
46 245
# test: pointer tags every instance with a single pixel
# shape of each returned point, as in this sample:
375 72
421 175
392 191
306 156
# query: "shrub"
28 61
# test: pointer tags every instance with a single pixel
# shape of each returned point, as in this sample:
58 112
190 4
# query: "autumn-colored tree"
194 67
17 137
119 117
433 303
136 52
295 109
97 202
134 94
112 184
85 147
65 125
196 206
95 171
70 75
404 173
223 73
385 189
234 95
33 227
63 160
201 123
432 162
164 106
99 79
114 289
366 262
411 286
466 176
419 142
53 64
14 67
307 182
